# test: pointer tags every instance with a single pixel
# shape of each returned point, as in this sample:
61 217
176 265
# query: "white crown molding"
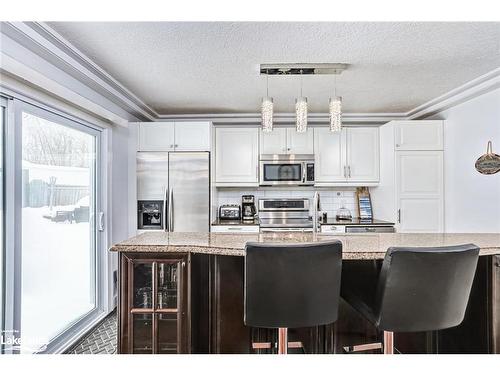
284 118
478 86
51 46
46 42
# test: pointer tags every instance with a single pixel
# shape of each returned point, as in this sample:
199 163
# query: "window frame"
13 216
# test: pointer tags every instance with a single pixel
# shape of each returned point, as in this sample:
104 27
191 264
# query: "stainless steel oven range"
285 215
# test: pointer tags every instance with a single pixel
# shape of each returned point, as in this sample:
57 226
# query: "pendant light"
267 109
301 110
335 110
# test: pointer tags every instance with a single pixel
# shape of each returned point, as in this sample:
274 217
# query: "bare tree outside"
53 145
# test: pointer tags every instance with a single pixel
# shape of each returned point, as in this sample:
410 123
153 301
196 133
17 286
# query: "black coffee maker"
248 210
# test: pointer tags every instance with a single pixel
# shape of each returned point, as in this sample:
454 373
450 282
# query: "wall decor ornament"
489 163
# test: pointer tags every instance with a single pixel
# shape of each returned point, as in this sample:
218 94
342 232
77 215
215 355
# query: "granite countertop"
355 246
356 221
236 222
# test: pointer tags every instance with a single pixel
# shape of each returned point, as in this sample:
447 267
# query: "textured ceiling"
197 67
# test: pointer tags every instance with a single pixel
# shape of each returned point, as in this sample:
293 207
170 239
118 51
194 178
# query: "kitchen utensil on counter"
489 163
230 212
248 210
343 213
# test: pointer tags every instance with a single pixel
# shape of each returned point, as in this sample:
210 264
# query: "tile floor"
101 340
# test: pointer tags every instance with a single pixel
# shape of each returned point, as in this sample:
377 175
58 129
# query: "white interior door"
419 188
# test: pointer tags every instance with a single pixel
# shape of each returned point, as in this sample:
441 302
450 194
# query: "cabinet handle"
349 169
399 215
176 146
345 171
172 146
183 263
397 145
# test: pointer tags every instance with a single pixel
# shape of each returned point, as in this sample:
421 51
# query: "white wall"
472 200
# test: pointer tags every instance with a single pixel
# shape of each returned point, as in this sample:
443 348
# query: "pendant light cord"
335 85
267 82
301 80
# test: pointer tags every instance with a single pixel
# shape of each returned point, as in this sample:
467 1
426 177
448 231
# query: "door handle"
100 222
165 201
399 215
171 211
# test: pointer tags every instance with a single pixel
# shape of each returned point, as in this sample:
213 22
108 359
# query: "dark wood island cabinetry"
187 295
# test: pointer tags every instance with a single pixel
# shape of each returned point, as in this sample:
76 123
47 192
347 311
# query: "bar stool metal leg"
282 340
388 342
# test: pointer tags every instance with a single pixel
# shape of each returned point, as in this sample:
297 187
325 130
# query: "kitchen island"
183 293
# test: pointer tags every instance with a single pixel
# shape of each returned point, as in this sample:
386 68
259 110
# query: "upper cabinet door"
300 143
419 135
329 156
363 154
273 142
192 136
236 156
156 136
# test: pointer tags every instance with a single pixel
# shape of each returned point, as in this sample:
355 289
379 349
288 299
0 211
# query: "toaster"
230 212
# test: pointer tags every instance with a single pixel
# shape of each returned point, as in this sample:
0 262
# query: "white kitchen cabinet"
332 229
300 143
418 135
419 191
236 156
362 159
174 136
349 157
156 136
330 156
287 141
235 228
192 136
273 142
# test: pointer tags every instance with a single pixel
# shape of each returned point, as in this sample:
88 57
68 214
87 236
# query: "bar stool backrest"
425 289
292 285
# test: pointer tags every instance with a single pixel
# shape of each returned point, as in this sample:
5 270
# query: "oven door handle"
304 172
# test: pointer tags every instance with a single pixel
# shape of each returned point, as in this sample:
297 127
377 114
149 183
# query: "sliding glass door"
54 249
3 115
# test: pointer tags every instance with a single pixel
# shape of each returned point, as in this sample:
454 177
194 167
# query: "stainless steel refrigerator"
179 185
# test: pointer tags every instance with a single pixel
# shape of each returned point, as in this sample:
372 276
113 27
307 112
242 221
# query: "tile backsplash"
331 199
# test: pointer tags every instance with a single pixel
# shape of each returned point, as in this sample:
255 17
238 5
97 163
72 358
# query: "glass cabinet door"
154 306
167 333
167 276
143 285
143 333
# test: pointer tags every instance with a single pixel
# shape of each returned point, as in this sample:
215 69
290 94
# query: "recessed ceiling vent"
302 69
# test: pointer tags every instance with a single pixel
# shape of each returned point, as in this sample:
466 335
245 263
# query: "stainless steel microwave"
286 170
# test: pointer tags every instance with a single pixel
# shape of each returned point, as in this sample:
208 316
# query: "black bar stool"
417 289
292 286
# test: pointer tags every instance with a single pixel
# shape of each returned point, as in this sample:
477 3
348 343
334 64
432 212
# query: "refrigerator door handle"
165 202
171 211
